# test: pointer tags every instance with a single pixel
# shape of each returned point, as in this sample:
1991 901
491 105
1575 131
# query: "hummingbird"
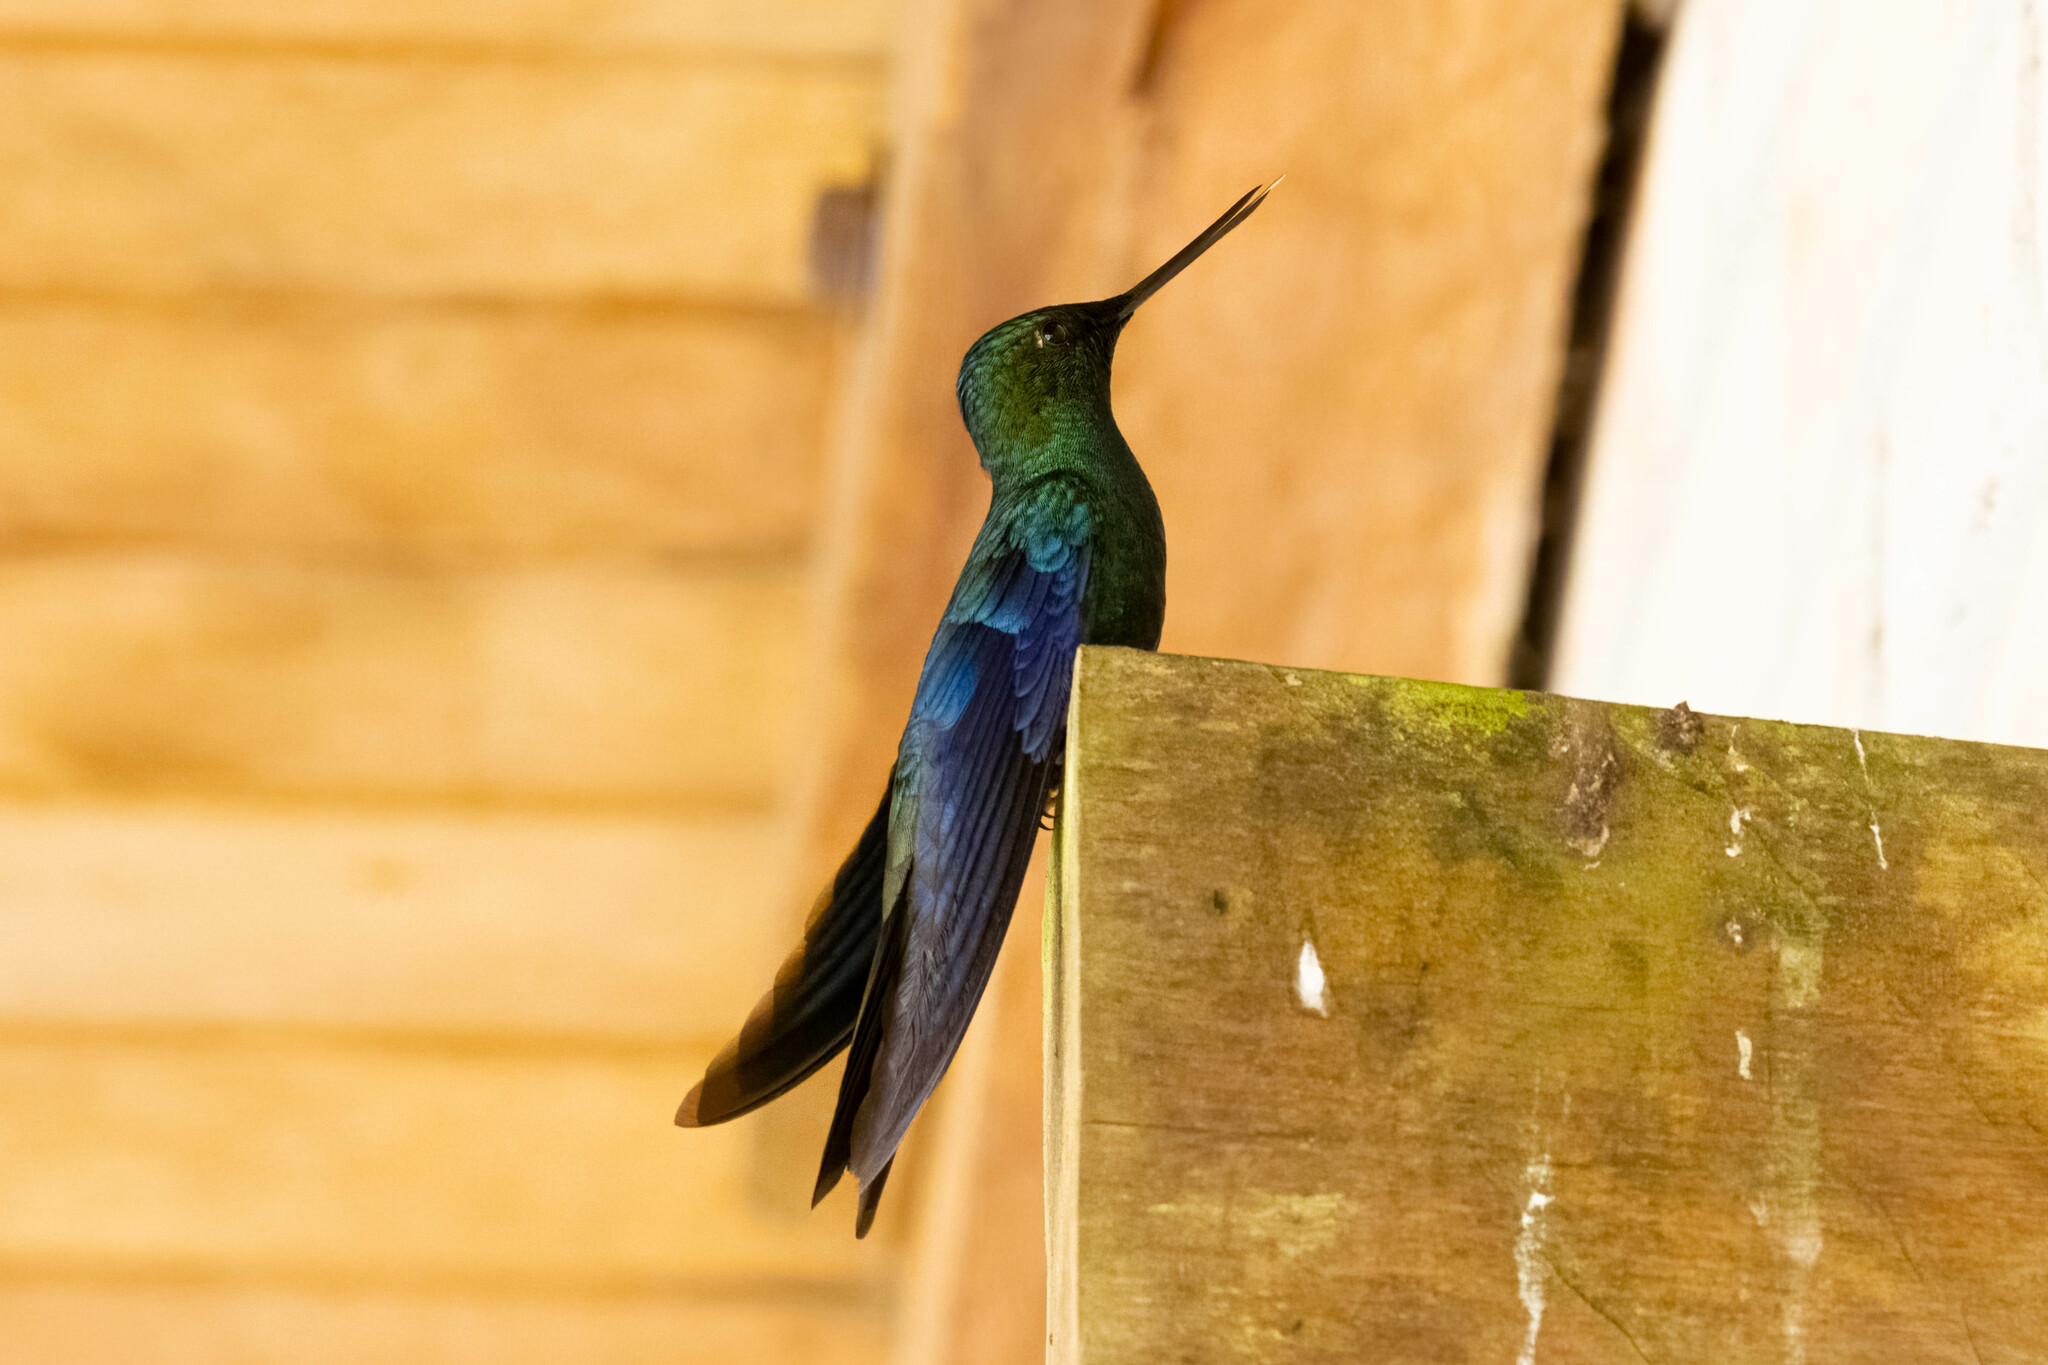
898 947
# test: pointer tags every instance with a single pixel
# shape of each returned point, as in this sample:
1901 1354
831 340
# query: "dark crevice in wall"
1638 61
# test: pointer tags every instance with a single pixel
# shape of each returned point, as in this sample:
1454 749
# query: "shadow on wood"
1402 1021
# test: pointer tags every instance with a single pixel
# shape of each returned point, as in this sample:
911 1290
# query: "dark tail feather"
870 1199
810 1011
867 1043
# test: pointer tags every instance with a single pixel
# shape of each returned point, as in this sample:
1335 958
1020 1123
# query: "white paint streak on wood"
1877 837
1795 1142
1743 1050
1310 987
1530 1266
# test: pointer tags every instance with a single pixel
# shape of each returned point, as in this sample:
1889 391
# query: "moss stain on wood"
1644 1034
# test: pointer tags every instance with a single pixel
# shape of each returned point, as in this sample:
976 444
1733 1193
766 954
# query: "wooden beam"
785 30
157 1155
583 684
421 178
1398 1020
54 1318
1346 410
365 432
421 924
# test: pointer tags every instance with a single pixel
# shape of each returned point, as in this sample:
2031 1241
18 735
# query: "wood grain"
434 923
162 674
1345 411
785 29
1638 1036
378 433
167 174
84 1324
487 1167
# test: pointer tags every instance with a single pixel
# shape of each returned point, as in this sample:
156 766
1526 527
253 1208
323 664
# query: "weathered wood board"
1400 1021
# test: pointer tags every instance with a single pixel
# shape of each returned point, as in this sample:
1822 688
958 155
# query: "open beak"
1127 302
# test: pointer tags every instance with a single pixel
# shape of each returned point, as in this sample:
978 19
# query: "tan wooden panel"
377 431
555 925
163 674
467 1167
71 1324
1402 1021
830 28
1346 411
128 172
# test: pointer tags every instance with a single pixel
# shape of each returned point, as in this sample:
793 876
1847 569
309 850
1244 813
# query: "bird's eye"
1051 333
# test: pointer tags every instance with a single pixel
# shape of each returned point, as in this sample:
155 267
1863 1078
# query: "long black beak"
1127 302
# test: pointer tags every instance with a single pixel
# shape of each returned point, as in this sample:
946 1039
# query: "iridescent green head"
1044 376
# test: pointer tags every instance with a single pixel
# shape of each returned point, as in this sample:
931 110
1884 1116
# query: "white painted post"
1819 484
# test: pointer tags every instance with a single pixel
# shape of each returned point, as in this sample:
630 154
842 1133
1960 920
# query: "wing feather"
972 779
808 1015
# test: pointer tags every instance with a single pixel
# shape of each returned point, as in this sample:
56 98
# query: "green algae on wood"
1448 709
1635 1034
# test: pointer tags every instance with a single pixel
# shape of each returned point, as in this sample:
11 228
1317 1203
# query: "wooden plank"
1813 489
175 1325
1631 1034
381 432
477 1167
787 28
411 923
160 674
140 173
1346 413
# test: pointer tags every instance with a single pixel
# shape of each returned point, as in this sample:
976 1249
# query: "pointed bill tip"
1128 302
686 1113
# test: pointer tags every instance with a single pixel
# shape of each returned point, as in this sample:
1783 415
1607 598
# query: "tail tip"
871 1199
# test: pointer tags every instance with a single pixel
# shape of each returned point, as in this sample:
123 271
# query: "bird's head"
1045 374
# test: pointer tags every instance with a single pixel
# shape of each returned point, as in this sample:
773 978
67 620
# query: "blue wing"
972 776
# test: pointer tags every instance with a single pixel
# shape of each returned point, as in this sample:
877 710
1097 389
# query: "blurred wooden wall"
411 444
463 577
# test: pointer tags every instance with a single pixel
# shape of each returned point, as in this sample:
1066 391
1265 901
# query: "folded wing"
971 781
809 1013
